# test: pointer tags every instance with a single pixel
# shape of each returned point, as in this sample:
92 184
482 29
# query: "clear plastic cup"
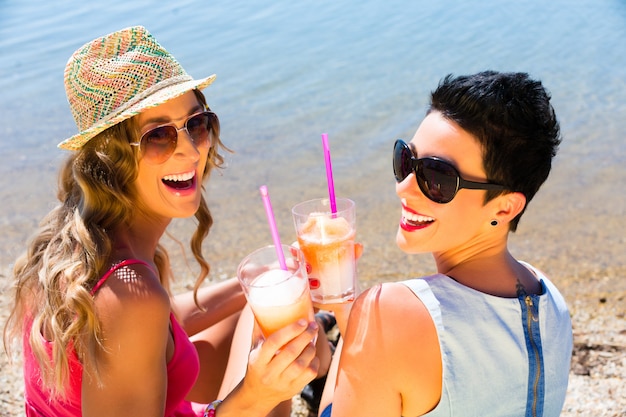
277 297
327 241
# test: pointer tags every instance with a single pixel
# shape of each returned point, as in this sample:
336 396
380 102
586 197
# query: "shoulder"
391 301
391 337
391 321
133 311
132 291
132 280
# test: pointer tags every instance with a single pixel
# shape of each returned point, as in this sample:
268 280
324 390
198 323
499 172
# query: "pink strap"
113 269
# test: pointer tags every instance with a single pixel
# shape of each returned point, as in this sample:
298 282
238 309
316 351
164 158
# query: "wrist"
244 400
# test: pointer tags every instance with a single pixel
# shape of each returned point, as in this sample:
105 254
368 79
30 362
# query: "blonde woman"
102 335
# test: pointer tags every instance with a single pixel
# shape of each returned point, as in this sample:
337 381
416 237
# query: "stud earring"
494 223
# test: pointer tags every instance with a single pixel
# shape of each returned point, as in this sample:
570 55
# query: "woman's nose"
186 147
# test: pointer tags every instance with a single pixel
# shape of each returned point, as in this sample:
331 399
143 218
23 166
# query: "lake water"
360 71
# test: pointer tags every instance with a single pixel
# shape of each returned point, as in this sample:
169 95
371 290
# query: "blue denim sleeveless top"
501 356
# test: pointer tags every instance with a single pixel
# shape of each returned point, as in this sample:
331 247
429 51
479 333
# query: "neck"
494 271
138 239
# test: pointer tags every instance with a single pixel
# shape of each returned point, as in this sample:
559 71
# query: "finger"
290 351
358 250
274 342
290 377
304 368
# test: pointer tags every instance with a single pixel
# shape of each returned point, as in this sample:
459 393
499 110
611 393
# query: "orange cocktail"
277 297
278 300
327 241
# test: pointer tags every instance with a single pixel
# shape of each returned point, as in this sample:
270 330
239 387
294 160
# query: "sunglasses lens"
438 180
402 157
158 144
199 127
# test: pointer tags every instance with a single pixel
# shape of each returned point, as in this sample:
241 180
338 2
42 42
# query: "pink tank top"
182 372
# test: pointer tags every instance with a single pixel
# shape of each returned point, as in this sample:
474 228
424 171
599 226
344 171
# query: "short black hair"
512 118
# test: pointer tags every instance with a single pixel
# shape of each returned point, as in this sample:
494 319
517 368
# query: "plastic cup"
277 297
327 241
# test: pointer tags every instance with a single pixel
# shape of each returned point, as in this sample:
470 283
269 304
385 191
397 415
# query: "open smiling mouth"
180 181
416 220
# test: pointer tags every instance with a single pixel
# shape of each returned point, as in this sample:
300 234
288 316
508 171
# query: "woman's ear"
509 205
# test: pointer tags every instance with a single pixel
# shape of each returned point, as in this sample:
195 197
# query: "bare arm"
133 310
219 301
390 363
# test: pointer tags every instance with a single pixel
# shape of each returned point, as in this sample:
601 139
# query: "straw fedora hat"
115 77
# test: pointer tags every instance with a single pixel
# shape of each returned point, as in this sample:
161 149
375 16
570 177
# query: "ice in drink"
278 301
327 241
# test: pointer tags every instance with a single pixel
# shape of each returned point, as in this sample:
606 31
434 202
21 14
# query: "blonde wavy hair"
71 249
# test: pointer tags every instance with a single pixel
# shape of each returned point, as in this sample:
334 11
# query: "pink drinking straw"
272 221
329 174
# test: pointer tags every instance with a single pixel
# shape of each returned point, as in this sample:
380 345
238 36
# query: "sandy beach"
573 232
597 388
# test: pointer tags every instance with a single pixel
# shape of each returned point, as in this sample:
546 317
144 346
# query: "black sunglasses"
158 144
438 180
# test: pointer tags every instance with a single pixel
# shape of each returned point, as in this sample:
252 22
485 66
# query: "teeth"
180 177
417 218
